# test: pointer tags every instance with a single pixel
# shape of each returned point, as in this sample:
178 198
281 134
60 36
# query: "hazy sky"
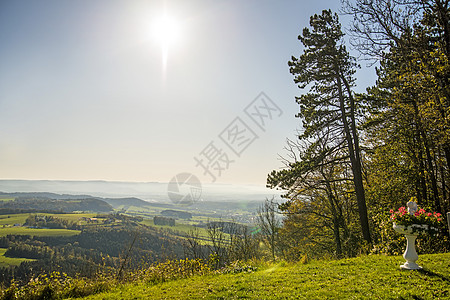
87 90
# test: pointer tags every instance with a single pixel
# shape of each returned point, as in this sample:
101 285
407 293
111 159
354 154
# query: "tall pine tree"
325 70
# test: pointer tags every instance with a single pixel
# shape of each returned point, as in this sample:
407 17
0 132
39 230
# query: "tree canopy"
359 155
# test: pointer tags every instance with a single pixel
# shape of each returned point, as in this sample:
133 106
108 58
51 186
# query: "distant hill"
43 195
151 191
62 205
148 191
124 203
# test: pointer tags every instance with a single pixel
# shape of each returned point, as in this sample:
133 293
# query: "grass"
37 232
10 261
367 277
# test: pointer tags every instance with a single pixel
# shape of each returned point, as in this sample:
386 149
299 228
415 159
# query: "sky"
102 90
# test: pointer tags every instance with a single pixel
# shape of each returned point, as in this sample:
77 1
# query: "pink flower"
422 216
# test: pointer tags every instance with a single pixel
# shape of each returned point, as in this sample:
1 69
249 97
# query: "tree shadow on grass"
434 274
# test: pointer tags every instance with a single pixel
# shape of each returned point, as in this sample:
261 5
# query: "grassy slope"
369 277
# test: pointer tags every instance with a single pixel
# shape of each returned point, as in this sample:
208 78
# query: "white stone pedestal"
410 254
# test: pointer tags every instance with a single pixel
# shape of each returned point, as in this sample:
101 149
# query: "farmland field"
5 199
37 232
12 219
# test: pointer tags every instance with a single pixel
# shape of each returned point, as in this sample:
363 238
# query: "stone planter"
411 232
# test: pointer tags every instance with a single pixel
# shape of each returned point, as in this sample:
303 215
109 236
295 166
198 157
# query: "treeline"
129 246
360 155
51 222
164 221
46 204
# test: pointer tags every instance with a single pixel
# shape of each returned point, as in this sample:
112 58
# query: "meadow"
365 277
37 232
8 222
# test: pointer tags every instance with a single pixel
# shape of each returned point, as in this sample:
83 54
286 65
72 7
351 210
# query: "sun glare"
166 31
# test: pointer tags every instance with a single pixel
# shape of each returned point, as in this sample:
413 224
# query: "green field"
37 232
74 217
10 261
367 277
12 219
150 211
4 199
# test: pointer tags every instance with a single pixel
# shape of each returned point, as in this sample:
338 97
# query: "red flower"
421 216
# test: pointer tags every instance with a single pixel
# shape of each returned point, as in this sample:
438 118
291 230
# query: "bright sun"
166 31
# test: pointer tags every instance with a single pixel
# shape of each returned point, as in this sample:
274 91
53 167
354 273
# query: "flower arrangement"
419 217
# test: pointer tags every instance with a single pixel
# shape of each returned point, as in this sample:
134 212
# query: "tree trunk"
355 159
336 218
